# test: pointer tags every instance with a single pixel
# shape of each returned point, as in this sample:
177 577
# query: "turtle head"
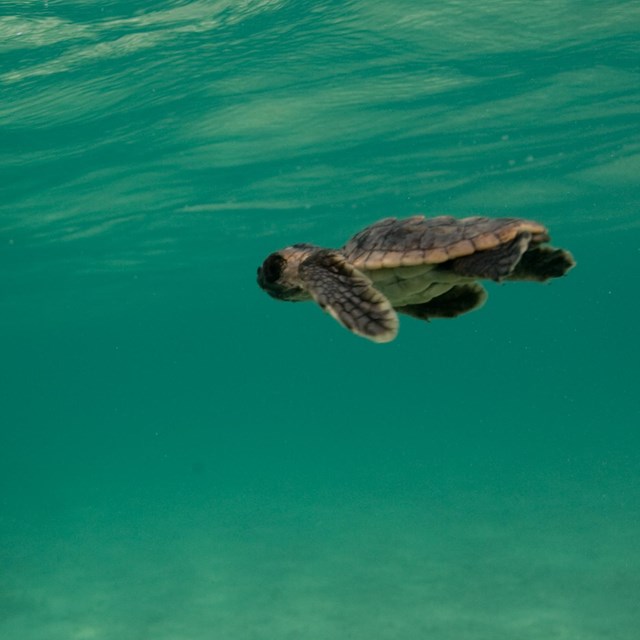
278 275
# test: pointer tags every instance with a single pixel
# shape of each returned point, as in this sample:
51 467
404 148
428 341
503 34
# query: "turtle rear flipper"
348 295
542 263
458 300
493 264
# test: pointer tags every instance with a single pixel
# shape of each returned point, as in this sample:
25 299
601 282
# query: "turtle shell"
414 241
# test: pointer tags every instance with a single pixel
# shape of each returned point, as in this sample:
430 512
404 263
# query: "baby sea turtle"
422 267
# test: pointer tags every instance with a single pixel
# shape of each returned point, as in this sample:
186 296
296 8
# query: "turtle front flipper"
348 295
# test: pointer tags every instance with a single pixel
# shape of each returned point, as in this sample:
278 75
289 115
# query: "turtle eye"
272 268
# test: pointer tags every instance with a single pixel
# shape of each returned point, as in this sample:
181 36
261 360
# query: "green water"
184 458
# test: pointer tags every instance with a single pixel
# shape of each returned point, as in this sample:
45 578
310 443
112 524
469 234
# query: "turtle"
425 267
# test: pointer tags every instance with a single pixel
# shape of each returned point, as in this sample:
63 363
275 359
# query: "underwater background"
184 458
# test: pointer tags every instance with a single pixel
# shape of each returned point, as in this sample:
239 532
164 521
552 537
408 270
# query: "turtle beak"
272 288
269 273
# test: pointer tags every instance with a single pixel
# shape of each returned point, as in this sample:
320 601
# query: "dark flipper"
348 295
493 264
542 263
455 302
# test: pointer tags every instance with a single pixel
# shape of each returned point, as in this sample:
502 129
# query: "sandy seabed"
358 567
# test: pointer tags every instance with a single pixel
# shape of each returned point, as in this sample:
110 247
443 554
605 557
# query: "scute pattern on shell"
413 241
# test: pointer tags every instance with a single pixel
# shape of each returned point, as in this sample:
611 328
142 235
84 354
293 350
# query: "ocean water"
184 458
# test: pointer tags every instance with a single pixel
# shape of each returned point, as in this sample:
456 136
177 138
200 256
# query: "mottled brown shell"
414 241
